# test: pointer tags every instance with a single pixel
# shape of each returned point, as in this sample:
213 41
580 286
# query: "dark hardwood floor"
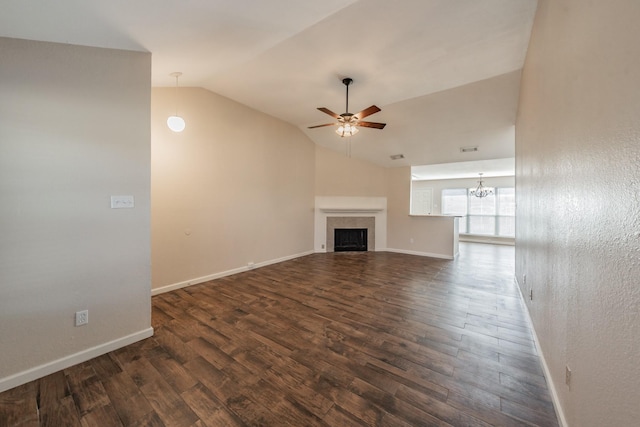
337 339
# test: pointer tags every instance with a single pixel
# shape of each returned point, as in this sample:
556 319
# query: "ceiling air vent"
468 149
397 156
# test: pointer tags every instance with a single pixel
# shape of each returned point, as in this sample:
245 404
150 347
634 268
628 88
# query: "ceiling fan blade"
371 125
367 112
326 124
329 112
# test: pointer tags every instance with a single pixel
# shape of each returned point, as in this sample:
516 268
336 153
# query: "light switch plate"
122 202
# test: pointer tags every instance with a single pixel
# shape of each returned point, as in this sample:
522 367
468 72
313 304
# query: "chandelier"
481 190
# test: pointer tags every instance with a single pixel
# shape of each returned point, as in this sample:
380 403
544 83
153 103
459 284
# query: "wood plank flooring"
336 339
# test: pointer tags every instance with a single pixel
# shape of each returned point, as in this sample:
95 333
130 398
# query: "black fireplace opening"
350 239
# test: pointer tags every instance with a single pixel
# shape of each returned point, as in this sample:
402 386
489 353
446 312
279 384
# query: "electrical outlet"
322 246
82 317
250 265
567 376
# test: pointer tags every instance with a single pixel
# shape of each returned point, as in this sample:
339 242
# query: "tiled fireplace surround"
350 212
334 222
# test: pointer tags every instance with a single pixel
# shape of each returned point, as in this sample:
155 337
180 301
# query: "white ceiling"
444 72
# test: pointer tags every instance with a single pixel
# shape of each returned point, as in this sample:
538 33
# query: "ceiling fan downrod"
349 120
347 81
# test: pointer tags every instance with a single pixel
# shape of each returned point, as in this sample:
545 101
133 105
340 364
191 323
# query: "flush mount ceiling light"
481 190
176 123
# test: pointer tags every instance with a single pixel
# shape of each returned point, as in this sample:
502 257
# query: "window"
454 202
506 212
488 216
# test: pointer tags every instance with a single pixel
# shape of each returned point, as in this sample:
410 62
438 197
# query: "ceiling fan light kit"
176 123
347 130
348 122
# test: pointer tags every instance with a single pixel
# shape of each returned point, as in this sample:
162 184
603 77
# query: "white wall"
74 130
235 187
578 181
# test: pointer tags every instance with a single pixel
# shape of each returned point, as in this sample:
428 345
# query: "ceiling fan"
349 122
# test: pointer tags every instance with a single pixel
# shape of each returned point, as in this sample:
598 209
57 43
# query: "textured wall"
74 130
578 220
236 186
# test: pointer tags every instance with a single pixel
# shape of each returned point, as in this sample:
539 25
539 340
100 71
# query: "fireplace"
344 223
350 212
350 240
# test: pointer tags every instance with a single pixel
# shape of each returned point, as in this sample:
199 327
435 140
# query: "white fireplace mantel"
332 206
351 210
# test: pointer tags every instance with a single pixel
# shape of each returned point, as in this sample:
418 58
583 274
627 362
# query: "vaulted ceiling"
444 72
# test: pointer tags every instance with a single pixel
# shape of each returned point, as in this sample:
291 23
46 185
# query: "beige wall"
398 199
74 130
578 180
236 186
339 175
431 236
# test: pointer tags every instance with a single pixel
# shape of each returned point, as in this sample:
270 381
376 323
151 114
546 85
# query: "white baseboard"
401 251
73 359
427 254
547 373
179 285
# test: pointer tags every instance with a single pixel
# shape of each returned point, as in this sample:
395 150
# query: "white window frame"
466 218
